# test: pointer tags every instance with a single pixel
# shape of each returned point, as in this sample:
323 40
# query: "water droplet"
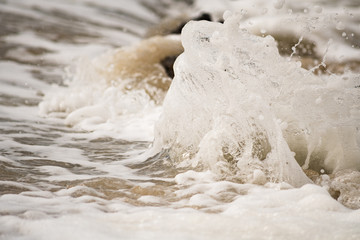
278 4
318 100
340 26
227 14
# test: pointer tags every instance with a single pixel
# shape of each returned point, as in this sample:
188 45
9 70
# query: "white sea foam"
120 88
279 214
294 18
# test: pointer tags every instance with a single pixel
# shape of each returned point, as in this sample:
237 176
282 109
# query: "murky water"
79 115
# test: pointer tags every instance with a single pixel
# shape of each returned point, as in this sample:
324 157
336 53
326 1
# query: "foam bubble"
318 9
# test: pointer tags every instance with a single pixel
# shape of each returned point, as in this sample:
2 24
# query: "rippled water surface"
79 113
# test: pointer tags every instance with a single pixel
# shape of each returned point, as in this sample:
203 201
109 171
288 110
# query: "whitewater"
179 119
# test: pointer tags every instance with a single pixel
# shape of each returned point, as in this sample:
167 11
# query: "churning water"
257 136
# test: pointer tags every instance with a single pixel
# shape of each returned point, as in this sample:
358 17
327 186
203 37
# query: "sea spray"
238 108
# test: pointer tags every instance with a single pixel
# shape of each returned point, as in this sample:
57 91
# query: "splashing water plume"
236 106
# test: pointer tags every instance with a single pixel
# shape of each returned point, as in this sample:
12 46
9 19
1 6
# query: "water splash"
236 106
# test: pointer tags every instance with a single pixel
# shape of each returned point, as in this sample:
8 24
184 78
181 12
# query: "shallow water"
79 116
